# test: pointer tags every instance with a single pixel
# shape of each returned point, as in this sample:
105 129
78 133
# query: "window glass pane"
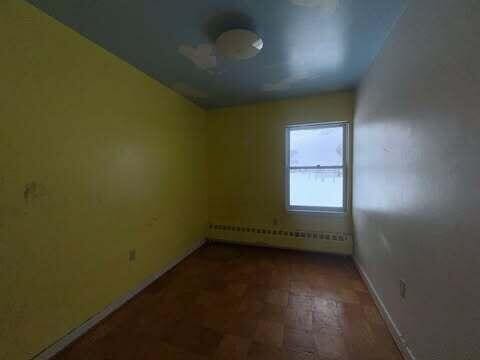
316 187
316 146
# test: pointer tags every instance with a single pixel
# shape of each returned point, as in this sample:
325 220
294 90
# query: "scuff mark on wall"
33 191
152 222
189 91
203 56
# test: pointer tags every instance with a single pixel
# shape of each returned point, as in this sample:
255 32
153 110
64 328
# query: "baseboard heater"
301 239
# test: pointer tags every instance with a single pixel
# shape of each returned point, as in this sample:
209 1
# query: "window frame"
344 167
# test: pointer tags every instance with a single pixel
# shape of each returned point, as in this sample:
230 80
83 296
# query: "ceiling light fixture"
239 44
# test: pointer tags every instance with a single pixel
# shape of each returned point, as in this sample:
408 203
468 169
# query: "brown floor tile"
348 296
300 302
237 289
260 351
194 338
160 350
365 298
301 355
241 326
238 302
269 332
298 319
216 319
325 305
358 285
148 326
280 281
372 315
330 346
250 307
233 348
117 345
299 340
274 313
277 297
301 287
326 314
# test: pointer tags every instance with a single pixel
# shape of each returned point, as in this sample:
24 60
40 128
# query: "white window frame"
344 166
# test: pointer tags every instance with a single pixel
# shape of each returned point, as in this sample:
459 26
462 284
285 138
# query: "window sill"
318 212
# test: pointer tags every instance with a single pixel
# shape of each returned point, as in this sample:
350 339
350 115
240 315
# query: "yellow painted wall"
246 147
96 158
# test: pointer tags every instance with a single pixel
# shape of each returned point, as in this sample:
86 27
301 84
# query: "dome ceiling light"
239 44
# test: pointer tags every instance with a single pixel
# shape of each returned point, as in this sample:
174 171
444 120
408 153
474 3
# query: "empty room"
240 180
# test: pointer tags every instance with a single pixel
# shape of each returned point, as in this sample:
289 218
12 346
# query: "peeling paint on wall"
326 5
277 86
203 56
284 84
189 91
324 36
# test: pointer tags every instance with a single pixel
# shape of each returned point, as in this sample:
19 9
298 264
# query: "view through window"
316 172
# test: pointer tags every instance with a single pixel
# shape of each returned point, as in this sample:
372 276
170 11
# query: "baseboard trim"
70 337
392 327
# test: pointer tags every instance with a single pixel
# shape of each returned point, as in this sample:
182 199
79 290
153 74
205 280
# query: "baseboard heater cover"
297 239
307 234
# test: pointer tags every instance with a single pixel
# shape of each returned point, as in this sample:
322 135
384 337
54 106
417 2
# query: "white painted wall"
417 177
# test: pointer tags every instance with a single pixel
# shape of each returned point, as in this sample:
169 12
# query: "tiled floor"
232 302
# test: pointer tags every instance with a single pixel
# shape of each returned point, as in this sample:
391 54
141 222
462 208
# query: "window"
316 172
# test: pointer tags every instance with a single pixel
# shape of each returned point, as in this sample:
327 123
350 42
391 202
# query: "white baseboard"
392 327
70 337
